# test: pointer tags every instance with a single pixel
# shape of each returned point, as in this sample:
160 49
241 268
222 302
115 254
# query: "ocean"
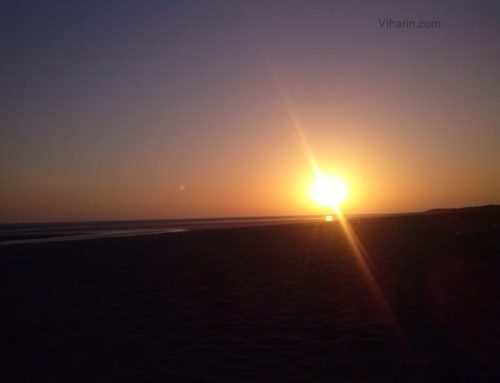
67 231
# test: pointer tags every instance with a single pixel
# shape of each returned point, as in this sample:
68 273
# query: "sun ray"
364 263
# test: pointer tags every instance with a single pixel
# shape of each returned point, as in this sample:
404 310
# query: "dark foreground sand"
264 304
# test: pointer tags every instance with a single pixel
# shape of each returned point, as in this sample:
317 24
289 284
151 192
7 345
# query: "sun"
329 191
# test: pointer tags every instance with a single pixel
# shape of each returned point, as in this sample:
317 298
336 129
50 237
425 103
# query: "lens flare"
330 191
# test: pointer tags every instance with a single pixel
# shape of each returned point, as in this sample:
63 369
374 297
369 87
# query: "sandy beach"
270 303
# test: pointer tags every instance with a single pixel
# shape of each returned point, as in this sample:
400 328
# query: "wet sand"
282 303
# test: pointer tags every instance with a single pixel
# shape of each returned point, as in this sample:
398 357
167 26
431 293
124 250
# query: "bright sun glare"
329 191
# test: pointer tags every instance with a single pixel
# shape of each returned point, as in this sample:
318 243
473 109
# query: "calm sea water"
48 232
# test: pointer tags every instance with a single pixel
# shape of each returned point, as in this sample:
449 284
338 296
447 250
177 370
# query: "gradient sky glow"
165 109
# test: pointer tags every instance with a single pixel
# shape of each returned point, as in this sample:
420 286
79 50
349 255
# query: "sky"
116 110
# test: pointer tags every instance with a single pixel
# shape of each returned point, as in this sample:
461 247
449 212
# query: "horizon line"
242 217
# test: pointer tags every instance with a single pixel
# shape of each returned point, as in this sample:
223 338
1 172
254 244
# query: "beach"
267 303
